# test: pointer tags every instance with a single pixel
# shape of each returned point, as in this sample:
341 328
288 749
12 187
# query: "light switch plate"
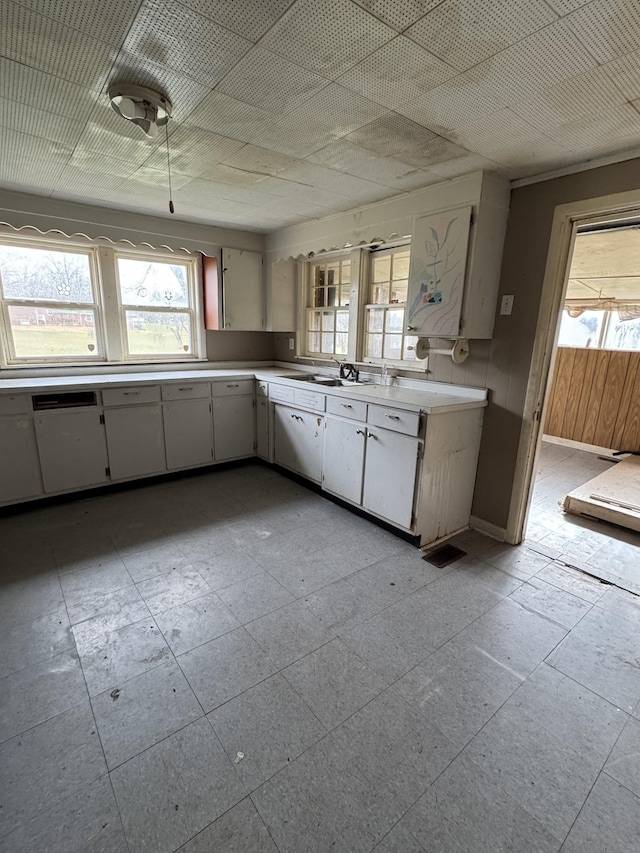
291 343
506 306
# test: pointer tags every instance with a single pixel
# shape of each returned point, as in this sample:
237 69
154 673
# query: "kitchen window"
67 302
384 337
327 315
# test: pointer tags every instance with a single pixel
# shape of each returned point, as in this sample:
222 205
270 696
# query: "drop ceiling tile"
147 176
54 48
397 73
463 166
607 28
397 13
246 195
326 36
253 158
287 135
193 151
340 183
464 32
344 156
534 64
605 126
563 7
248 18
96 162
107 20
390 135
271 82
338 109
184 93
316 195
44 92
432 152
625 73
297 207
224 115
78 182
457 102
200 194
109 134
167 33
229 175
25 119
31 163
495 131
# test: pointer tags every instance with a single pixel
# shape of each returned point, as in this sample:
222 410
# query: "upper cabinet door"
437 273
243 290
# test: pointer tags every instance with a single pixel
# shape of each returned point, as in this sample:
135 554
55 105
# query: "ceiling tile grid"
253 158
344 156
100 164
39 42
81 183
248 18
625 73
224 115
390 135
436 150
288 136
30 162
614 125
607 28
464 32
36 89
192 150
45 125
340 110
563 7
457 102
106 133
168 33
326 36
396 73
271 82
106 20
398 13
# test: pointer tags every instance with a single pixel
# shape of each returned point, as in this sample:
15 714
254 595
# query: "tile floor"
230 662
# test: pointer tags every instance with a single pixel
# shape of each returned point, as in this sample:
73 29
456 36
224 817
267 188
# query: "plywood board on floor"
613 496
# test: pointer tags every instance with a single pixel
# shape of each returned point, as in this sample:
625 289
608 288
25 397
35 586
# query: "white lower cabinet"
188 433
19 466
72 449
233 427
135 440
390 475
262 427
298 441
344 446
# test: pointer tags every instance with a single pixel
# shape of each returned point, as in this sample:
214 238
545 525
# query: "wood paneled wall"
595 398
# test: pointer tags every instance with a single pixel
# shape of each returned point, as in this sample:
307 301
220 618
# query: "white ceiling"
291 111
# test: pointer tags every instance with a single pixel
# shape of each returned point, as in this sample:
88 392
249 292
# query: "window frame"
110 316
309 309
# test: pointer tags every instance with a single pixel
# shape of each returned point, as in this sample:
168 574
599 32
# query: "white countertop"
435 398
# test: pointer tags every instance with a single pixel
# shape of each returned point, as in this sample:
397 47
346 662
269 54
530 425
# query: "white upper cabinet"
242 290
282 280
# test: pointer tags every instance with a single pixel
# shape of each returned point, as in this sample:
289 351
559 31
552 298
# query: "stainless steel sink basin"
327 381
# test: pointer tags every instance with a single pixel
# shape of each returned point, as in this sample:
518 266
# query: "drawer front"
310 399
262 388
230 387
281 393
395 419
131 396
187 391
347 408
15 404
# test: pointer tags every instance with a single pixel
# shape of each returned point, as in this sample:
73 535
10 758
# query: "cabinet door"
298 441
343 466
188 433
262 427
234 432
19 463
390 475
72 449
135 439
243 292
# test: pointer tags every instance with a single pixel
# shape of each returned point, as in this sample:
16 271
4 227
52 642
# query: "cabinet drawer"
232 386
310 399
281 393
347 408
395 419
186 392
130 396
262 388
15 404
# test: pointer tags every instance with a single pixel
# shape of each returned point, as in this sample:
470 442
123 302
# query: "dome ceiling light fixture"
148 110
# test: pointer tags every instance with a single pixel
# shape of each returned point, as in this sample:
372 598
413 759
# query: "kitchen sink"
323 380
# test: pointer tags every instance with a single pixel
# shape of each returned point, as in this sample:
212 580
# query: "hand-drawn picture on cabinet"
436 275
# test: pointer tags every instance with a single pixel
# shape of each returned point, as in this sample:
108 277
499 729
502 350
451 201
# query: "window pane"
398 291
154 283
327 342
158 333
401 265
395 320
410 354
623 334
375 320
328 321
314 320
319 276
374 346
393 346
342 321
381 268
345 272
45 274
313 342
49 332
341 343
345 294
318 297
581 331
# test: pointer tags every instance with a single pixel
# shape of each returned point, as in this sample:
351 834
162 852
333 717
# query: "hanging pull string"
166 128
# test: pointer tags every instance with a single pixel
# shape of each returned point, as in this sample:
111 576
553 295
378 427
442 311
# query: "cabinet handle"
411 328
131 393
359 432
346 405
235 385
392 417
371 435
186 388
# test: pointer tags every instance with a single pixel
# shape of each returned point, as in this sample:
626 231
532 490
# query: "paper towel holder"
458 349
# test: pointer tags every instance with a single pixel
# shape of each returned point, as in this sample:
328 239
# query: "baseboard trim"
492 530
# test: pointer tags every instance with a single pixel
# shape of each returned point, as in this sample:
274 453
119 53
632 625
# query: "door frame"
567 218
